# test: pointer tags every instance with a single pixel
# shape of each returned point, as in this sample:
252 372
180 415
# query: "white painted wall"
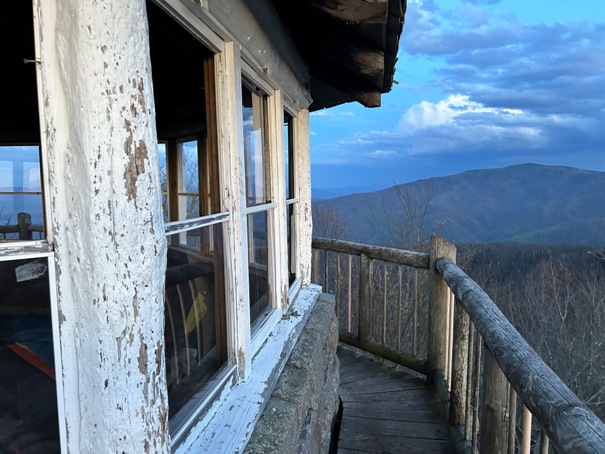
108 231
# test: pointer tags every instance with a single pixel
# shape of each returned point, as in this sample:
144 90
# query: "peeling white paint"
305 221
109 243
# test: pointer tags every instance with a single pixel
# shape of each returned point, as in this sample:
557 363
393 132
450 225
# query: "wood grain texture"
388 410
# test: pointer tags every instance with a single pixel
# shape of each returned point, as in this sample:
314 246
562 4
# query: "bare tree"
561 313
327 223
404 221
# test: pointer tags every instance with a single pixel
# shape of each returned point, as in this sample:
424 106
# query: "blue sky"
481 84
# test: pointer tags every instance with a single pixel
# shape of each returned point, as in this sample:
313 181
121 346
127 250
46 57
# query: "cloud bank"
511 90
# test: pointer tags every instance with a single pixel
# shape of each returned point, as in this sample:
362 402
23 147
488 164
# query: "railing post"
439 294
315 265
24 220
458 393
365 294
495 415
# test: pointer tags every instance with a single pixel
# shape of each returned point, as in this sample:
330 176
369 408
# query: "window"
260 209
195 312
291 195
21 211
28 379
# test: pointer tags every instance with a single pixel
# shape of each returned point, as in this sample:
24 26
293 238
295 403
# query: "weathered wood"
377 349
373 12
385 409
512 420
570 425
172 228
544 443
458 407
476 391
494 408
364 330
526 439
438 301
401 257
315 267
468 429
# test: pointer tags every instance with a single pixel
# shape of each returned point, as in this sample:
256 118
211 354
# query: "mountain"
330 193
527 203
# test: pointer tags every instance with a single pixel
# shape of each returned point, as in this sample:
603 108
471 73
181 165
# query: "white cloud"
446 112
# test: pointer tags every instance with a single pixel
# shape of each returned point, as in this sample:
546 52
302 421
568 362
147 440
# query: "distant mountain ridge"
528 203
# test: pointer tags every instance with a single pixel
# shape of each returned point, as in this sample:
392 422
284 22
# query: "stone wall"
300 414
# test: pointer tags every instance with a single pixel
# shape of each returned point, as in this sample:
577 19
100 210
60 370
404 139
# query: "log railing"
380 297
480 363
23 229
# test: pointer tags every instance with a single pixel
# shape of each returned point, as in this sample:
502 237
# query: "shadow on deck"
388 410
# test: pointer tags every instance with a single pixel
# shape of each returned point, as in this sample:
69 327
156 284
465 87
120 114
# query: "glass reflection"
195 330
28 399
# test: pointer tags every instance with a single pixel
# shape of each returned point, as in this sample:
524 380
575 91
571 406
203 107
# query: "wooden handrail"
387 254
570 425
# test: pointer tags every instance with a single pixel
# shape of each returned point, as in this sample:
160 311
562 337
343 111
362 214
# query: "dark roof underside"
350 46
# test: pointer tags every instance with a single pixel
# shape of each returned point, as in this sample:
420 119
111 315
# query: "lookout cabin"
160 288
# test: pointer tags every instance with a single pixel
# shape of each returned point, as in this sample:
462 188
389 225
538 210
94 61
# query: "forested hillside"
524 203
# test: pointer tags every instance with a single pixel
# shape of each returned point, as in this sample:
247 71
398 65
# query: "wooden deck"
386 410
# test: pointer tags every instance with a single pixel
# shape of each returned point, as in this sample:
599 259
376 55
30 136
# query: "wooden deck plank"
386 410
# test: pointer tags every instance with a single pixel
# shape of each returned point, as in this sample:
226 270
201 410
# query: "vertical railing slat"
350 273
458 394
365 299
526 440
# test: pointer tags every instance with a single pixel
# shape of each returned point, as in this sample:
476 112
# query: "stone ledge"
301 411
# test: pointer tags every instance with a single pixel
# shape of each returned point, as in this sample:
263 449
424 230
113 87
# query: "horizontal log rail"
386 254
380 298
569 424
481 366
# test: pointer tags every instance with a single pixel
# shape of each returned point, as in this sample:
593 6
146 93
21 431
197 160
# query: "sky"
479 84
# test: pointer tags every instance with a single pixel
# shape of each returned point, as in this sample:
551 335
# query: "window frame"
275 206
292 202
44 247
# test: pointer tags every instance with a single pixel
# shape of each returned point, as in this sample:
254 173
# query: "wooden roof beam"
354 12
360 90
353 54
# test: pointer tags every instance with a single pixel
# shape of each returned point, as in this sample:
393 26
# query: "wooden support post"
384 303
494 414
365 303
512 424
439 294
469 382
338 287
544 443
399 302
526 440
315 267
460 366
476 391
349 291
24 220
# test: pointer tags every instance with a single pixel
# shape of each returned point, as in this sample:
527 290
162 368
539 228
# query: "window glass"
288 156
21 213
195 329
28 400
255 147
163 178
189 192
258 264
290 194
